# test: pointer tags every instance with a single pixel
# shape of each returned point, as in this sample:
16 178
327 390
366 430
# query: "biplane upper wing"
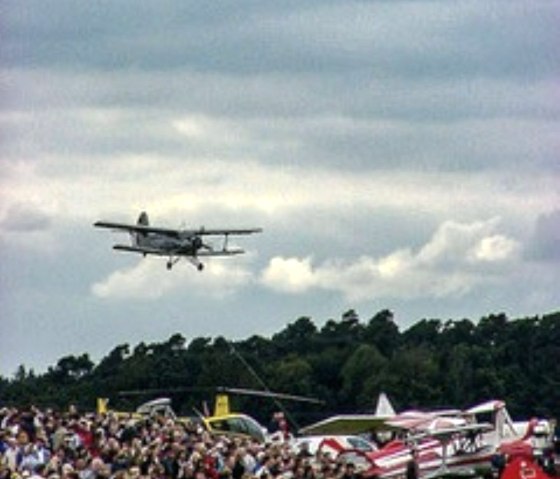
445 434
346 424
224 231
140 228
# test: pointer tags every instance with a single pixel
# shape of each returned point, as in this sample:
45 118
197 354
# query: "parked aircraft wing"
345 424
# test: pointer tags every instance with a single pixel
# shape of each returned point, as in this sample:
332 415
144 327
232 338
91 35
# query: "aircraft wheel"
169 265
200 267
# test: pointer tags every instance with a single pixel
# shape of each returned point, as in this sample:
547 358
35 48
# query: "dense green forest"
347 362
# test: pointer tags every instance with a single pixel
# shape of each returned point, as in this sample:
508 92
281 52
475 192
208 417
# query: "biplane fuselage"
189 245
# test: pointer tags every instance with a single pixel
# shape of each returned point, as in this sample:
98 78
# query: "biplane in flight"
175 243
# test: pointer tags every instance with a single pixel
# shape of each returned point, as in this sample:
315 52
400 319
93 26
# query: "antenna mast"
263 385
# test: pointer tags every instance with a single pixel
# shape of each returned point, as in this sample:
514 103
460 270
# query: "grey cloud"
545 242
339 141
424 126
479 39
281 95
402 39
22 218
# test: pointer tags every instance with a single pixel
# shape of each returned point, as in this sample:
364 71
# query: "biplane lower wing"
162 252
224 252
141 249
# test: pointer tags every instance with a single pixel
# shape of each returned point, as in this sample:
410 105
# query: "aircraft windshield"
359 444
239 425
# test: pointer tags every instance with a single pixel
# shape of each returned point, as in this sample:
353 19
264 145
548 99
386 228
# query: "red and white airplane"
437 443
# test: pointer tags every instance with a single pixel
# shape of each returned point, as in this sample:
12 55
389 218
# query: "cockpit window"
360 444
220 425
254 429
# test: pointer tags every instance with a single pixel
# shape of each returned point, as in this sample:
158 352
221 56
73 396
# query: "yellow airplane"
225 422
222 422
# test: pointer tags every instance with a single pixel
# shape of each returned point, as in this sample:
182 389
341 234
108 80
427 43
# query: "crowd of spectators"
45 444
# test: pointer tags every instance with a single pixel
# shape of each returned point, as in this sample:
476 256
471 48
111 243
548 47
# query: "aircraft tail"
143 219
138 237
221 406
384 407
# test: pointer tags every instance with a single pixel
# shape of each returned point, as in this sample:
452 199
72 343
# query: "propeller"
199 244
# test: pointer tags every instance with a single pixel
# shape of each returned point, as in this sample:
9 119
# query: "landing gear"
174 259
197 264
171 262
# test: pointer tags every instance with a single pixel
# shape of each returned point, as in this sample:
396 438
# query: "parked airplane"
222 421
175 243
449 441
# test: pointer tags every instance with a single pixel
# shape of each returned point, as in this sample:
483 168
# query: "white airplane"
175 243
354 423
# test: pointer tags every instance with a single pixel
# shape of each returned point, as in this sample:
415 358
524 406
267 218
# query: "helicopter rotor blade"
270 394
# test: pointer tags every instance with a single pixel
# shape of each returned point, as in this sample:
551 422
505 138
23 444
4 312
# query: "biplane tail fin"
138 236
143 219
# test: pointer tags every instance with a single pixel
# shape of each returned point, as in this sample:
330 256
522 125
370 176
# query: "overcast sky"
398 154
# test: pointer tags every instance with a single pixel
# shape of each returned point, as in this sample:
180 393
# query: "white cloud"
149 280
210 129
290 275
452 263
168 185
459 243
495 248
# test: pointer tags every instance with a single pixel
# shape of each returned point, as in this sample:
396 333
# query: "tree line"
346 362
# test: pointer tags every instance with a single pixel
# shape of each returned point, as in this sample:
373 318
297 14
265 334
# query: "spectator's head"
22 437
